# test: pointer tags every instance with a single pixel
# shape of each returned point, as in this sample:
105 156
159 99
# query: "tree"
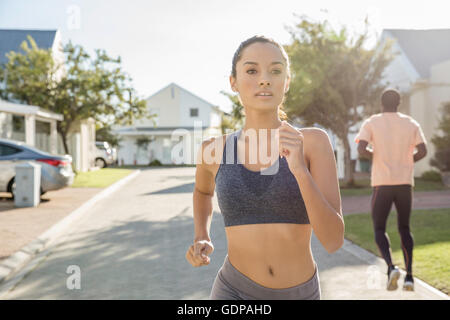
441 159
236 119
105 134
79 87
336 81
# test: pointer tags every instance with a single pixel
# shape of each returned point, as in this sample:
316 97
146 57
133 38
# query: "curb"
369 258
19 259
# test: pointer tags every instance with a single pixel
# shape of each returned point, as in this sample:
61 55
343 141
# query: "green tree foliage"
441 159
236 119
336 80
105 134
79 87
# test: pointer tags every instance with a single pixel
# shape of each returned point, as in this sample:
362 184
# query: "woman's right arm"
203 195
198 253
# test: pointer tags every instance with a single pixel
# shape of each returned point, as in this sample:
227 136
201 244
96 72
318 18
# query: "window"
42 138
18 128
18 123
7 150
194 112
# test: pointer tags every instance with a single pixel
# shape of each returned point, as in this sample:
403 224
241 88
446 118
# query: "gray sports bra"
271 195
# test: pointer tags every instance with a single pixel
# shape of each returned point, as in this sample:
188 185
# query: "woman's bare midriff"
274 255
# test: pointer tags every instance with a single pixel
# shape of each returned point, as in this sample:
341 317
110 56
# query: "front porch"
30 124
140 146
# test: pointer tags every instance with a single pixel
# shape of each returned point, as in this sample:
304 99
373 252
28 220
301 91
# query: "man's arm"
363 151
421 152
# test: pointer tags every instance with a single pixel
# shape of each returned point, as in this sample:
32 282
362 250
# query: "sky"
192 42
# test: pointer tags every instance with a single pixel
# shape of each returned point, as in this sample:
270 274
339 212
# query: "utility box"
28 185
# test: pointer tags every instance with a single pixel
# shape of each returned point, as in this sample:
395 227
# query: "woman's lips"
264 97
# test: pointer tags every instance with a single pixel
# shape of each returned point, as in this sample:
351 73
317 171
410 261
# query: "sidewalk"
353 273
421 200
25 232
19 226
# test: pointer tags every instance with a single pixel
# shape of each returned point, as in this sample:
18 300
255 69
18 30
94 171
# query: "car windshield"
102 145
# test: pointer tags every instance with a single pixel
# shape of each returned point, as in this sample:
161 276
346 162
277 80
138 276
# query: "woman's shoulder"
216 141
211 148
314 134
316 142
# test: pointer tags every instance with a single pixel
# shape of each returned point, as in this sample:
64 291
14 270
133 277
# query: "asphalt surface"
131 245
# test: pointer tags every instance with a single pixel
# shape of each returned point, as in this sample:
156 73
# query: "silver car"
105 155
56 171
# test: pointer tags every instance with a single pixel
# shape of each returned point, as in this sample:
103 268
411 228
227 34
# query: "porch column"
84 135
30 129
53 138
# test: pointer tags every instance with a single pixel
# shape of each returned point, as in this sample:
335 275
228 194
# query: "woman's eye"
253 71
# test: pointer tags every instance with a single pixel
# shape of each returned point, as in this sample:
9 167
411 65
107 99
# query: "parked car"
56 170
104 156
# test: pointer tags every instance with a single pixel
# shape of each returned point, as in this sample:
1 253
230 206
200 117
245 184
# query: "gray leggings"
231 284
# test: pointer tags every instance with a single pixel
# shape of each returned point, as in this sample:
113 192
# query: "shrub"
155 162
431 175
441 159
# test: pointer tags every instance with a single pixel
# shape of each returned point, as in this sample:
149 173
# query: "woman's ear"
233 83
288 81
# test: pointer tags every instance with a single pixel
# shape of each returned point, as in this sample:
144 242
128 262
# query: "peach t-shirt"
393 137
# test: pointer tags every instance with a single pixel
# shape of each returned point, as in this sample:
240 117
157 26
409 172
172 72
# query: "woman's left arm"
319 185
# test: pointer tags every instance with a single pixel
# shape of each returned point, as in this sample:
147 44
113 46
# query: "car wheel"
99 162
12 187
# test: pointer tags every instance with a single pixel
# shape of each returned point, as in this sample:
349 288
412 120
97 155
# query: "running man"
394 137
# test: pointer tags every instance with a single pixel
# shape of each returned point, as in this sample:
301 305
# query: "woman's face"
261 77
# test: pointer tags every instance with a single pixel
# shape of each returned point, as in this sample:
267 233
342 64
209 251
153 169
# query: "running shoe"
394 275
408 283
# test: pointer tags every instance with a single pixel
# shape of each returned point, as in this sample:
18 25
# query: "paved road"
131 245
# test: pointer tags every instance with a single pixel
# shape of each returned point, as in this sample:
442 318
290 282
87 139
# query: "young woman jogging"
269 210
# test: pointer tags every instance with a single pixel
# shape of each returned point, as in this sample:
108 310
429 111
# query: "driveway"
19 226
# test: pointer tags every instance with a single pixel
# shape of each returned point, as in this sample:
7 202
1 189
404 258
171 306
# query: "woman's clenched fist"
198 253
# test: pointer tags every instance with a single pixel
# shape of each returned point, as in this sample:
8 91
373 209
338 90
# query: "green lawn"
363 187
100 178
430 229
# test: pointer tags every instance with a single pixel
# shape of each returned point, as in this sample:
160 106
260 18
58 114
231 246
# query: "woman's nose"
264 83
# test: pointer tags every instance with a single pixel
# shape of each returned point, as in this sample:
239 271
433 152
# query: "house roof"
11 39
187 91
423 48
23 109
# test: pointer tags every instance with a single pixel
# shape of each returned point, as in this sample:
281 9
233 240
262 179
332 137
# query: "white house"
421 72
182 121
35 125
